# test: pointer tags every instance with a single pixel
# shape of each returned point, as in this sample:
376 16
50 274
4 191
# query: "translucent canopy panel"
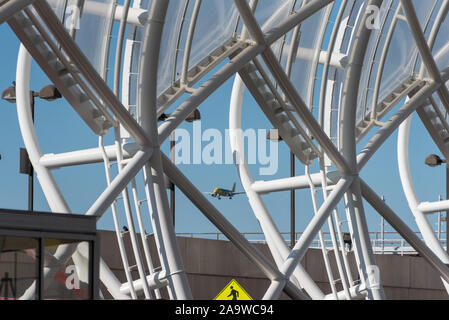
194 29
93 37
349 12
441 47
402 53
202 46
175 14
391 59
216 25
131 63
304 69
90 23
269 13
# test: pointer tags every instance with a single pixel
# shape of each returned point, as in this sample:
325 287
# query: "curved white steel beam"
348 142
411 196
49 186
189 41
178 41
276 243
171 260
327 63
382 61
318 56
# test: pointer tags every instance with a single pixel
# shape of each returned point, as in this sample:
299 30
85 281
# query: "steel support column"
179 286
348 144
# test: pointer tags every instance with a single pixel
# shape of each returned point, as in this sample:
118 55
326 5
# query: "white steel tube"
410 193
432 207
357 292
51 191
289 23
273 237
432 258
153 212
110 194
179 287
341 271
324 250
238 62
299 182
130 220
113 284
119 49
328 61
189 41
219 221
156 281
92 77
178 42
143 235
389 127
87 156
310 232
424 50
253 5
118 232
319 55
442 14
135 16
338 224
344 269
288 89
383 58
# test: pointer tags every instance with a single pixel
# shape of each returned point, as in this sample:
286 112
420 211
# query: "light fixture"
273 135
49 93
434 161
9 94
194 116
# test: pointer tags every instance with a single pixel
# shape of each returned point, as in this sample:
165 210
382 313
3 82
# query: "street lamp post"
194 116
172 185
434 161
48 93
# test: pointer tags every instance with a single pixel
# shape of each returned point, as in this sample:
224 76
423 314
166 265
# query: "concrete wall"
212 264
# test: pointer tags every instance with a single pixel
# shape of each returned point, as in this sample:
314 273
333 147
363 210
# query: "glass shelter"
31 266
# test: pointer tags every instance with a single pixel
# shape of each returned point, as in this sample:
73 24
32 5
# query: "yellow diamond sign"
233 291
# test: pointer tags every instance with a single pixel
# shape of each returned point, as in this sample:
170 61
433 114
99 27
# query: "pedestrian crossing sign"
233 291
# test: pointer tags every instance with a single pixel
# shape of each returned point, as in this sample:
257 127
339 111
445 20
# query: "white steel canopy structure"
326 74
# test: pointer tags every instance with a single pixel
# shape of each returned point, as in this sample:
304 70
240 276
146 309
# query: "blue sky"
60 129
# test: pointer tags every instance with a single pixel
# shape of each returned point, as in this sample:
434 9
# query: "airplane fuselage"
218 193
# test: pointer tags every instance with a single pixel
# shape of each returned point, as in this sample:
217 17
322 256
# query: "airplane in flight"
220 192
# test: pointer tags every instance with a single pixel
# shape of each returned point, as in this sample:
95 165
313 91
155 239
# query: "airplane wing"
209 193
234 193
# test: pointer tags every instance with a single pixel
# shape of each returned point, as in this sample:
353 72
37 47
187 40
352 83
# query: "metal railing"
382 242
